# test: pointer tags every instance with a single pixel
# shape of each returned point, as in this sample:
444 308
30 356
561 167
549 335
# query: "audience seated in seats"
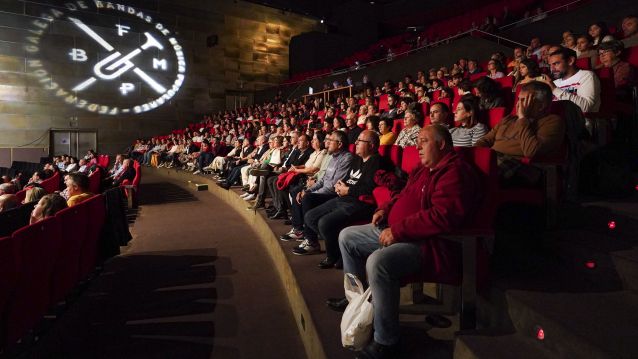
352 129
280 197
581 87
489 93
599 33
219 162
36 179
127 173
7 187
34 194
528 71
387 137
534 49
623 73
473 67
519 55
391 113
321 190
585 49
531 133
328 218
372 124
235 174
495 69
442 195
8 201
77 187
630 31
116 169
440 114
469 130
410 131
47 206
248 183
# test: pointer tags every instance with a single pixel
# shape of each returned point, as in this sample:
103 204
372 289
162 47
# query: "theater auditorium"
319 179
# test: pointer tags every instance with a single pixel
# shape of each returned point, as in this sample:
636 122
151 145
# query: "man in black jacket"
331 217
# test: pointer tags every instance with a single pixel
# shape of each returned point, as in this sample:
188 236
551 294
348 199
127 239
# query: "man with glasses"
624 74
322 191
329 218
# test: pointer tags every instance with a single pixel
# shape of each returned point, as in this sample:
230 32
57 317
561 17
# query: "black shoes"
327 263
337 304
278 215
224 185
375 350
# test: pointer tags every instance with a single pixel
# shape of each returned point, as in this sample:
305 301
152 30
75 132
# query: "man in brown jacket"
533 132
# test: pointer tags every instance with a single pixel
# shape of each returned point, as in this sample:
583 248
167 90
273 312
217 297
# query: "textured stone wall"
37 61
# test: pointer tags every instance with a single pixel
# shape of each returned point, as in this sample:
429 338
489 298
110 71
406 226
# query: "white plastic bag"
356 323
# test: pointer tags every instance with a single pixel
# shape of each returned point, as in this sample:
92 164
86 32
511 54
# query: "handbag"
356 323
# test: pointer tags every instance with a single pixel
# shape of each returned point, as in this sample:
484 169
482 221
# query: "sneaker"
307 247
197 172
160 165
250 197
293 235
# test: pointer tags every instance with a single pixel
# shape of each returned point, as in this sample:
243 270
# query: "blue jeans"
309 201
329 218
384 268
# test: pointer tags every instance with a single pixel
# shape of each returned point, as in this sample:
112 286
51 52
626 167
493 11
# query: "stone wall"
45 55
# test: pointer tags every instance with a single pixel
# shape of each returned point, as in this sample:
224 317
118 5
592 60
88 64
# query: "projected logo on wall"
131 66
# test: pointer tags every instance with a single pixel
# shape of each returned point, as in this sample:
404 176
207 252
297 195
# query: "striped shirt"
467 137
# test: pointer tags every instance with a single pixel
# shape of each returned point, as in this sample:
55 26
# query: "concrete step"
578 325
497 346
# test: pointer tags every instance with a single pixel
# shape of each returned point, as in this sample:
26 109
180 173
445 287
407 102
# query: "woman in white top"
313 164
495 69
599 32
363 115
471 130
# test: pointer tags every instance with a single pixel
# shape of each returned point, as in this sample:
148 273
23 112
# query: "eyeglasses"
357 141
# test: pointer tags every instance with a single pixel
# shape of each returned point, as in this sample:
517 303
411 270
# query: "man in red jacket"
441 195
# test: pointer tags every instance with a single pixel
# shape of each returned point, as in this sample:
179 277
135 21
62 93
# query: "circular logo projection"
115 61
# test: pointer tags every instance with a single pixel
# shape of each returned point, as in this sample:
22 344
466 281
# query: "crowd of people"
319 161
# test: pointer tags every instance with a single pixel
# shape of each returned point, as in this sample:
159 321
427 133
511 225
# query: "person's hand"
378 217
300 196
386 238
523 105
341 189
310 182
546 79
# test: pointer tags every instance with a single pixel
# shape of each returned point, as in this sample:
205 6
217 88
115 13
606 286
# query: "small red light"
637 187
540 333
590 264
611 224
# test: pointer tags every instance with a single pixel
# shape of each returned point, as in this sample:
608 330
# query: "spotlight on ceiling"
321 21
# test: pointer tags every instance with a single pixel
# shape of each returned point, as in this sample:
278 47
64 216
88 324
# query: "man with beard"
581 87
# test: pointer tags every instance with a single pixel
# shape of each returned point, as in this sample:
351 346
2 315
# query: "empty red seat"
94 206
410 159
73 221
9 258
38 247
383 102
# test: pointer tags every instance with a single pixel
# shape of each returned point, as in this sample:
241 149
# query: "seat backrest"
632 55
94 181
397 126
38 251
410 159
495 115
96 210
484 161
9 261
15 218
21 195
584 63
74 222
52 184
383 102
138 174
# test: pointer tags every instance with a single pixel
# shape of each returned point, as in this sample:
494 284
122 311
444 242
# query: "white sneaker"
160 165
197 172
244 195
250 197
306 247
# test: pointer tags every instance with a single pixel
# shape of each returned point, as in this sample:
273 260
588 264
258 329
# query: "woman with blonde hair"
48 206
34 194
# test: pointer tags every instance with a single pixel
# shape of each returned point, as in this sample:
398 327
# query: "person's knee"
377 266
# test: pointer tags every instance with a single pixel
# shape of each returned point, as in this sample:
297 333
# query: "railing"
326 94
445 40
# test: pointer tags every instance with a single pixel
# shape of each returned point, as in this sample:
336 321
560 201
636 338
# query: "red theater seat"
410 159
94 181
74 221
38 251
495 115
9 259
94 206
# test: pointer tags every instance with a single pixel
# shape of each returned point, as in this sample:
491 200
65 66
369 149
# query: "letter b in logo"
78 55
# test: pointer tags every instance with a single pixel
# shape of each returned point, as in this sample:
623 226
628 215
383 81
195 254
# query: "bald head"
8 201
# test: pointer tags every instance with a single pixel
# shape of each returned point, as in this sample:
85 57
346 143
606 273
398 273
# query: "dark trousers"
235 174
329 218
204 159
309 201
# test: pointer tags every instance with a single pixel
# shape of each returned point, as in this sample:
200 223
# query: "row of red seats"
41 263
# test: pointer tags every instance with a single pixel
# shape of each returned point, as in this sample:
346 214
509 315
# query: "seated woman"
495 69
363 115
528 71
585 49
34 194
408 136
48 206
386 137
470 130
489 93
372 124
